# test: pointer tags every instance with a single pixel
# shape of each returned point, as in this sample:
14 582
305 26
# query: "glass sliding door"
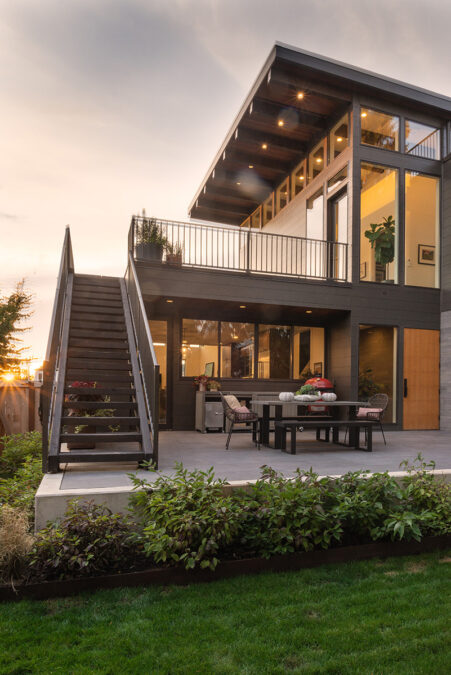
237 349
308 352
274 352
159 333
378 223
377 365
422 230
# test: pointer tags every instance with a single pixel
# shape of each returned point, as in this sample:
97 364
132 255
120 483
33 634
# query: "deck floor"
242 461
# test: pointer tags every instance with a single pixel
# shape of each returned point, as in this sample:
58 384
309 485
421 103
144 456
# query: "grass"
377 617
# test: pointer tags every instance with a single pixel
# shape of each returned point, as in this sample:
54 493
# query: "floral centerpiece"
201 381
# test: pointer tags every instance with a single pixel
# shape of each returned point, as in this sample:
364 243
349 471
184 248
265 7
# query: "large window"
308 352
237 349
282 196
422 230
339 137
379 129
298 179
317 160
268 209
377 365
199 347
422 140
274 353
378 223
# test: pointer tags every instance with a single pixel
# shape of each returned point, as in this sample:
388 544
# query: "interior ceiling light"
318 160
238 182
301 177
242 306
251 166
339 139
280 123
300 95
308 311
264 146
169 301
364 114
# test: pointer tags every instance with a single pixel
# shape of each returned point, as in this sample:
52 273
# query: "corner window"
378 223
237 349
199 350
422 230
422 140
317 160
338 179
299 179
379 129
339 137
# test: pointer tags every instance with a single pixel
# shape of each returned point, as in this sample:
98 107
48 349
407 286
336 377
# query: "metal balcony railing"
239 250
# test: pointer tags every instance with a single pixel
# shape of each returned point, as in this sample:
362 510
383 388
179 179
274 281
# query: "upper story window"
338 179
299 178
317 160
422 204
256 218
339 137
422 140
282 197
379 129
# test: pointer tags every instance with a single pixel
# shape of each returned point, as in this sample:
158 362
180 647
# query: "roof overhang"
259 152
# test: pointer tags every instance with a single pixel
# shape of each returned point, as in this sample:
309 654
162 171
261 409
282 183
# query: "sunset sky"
112 106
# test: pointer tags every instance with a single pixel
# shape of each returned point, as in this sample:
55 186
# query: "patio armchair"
237 414
377 406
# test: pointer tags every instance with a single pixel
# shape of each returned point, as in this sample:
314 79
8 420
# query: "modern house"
320 242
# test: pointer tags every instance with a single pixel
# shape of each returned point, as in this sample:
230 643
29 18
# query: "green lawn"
376 617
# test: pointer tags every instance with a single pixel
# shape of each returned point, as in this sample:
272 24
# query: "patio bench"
354 426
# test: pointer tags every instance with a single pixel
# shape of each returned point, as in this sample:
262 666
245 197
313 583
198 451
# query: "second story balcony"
229 248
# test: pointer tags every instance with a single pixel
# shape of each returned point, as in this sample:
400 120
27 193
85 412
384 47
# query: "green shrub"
279 516
15 543
19 490
17 448
186 518
90 540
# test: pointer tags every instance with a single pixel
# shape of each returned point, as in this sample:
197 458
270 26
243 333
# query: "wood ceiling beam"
255 138
303 80
274 111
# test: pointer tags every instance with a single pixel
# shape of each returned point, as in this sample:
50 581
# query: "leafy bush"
19 490
17 449
15 543
281 516
187 519
90 540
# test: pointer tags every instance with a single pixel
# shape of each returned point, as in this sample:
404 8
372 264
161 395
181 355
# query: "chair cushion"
241 409
368 412
232 401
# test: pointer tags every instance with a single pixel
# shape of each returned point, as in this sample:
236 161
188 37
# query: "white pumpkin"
286 396
329 396
302 397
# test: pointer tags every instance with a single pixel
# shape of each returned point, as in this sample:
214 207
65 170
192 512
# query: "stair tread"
74 419
99 390
74 363
120 345
115 436
103 354
105 335
96 456
113 311
95 405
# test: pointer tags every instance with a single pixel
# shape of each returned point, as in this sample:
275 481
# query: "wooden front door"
421 379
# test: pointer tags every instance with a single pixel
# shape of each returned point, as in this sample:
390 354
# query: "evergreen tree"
13 310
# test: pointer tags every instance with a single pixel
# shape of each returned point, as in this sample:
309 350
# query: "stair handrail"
148 364
52 356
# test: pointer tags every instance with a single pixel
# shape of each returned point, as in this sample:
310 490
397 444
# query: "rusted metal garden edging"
229 568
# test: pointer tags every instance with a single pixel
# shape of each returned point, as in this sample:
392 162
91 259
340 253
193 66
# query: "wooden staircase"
100 393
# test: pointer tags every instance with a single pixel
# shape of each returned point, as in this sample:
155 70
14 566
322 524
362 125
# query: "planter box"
229 568
152 252
174 259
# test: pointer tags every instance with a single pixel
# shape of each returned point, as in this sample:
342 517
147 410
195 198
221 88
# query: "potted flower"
150 240
213 385
201 381
174 254
382 240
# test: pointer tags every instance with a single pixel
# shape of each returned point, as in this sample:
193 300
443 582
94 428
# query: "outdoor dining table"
265 417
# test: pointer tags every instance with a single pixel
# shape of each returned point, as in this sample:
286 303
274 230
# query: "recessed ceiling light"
364 114
238 182
308 311
251 166
318 160
301 177
300 95
339 139
264 146
169 301
280 123
242 306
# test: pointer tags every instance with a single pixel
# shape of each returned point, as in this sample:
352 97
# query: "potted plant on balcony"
382 240
150 240
174 254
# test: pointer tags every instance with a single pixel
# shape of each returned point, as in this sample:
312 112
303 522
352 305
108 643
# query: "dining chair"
237 414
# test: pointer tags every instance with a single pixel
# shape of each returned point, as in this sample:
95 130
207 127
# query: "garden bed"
226 569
